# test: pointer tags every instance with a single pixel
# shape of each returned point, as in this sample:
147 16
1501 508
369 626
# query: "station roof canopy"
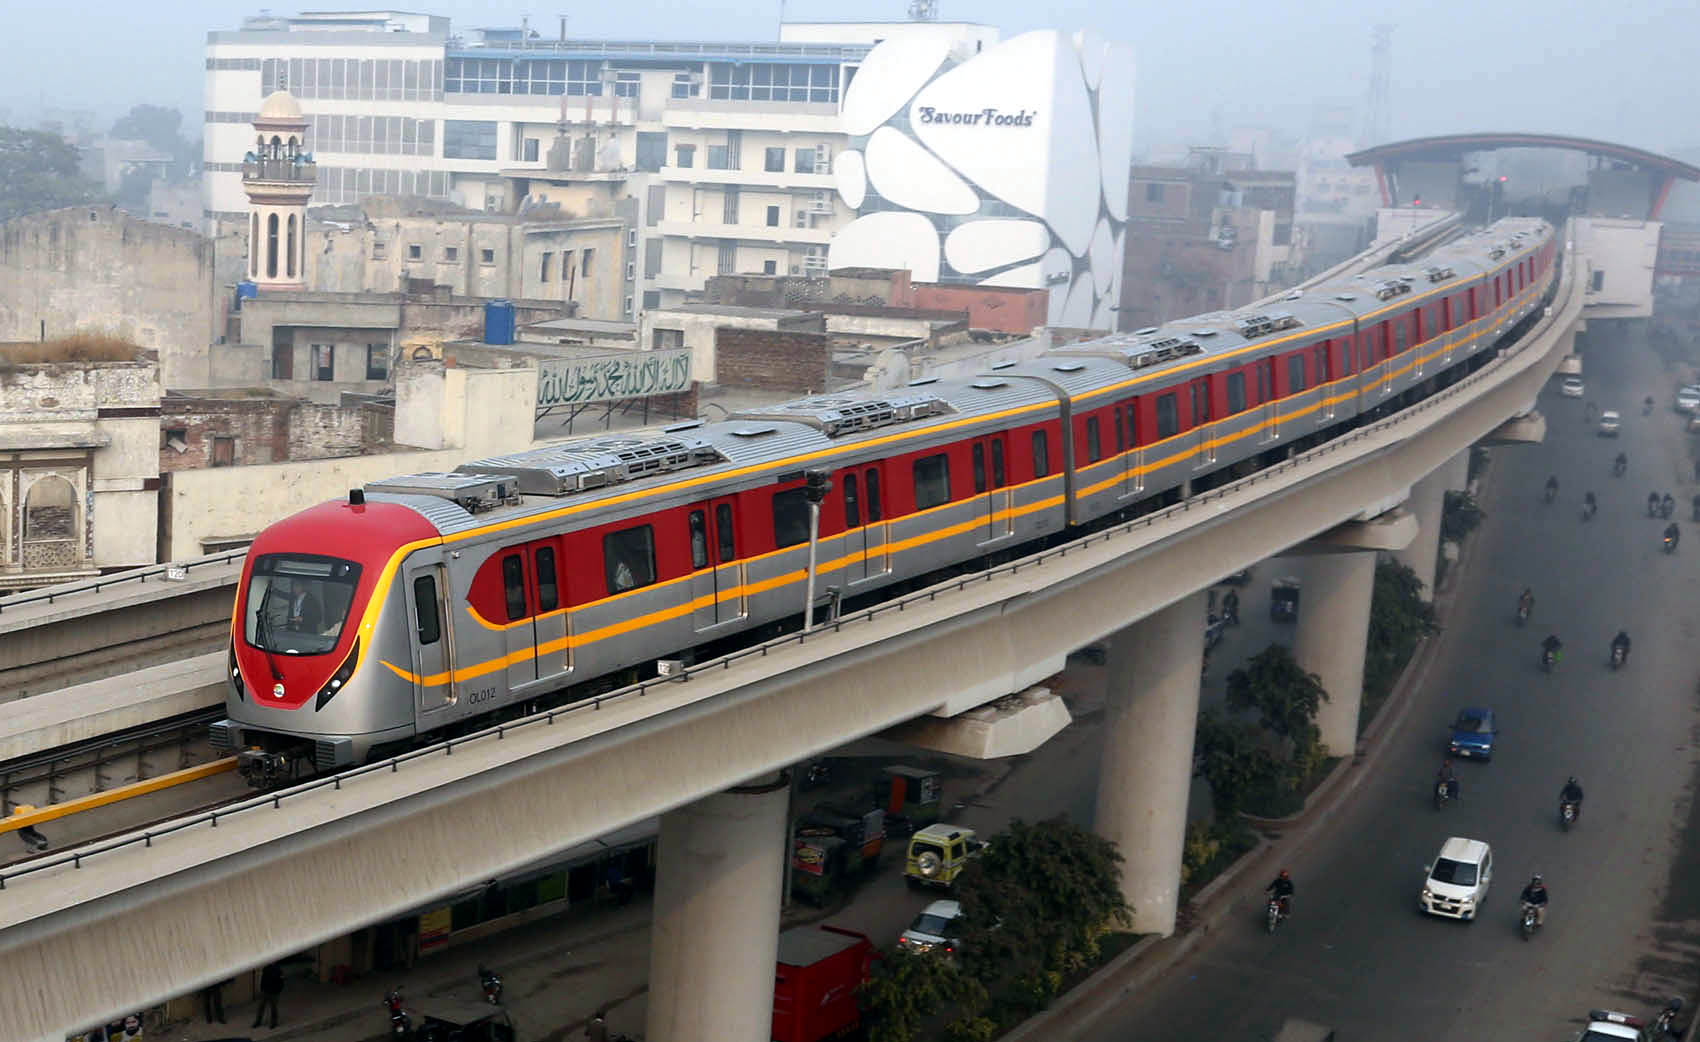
1454 146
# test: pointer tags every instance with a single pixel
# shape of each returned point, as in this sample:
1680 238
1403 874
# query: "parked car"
938 854
1473 733
1457 882
934 928
1610 423
1688 398
1609 1026
1571 387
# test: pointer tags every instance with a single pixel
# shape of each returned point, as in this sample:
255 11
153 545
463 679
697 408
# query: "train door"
1270 407
432 637
519 634
991 480
865 525
1133 460
717 583
1326 393
1204 447
554 648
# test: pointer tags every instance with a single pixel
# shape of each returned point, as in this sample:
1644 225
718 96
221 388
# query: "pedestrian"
271 986
212 1001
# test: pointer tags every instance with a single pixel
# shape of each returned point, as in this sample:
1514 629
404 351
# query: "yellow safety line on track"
23 819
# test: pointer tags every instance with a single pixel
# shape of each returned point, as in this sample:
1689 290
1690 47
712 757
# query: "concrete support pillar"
1143 781
1333 630
716 929
1428 503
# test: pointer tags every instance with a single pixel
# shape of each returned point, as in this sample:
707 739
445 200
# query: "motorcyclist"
1535 895
1446 776
1282 890
1622 462
1652 504
1647 405
1526 602
1552 486
1672 534
1588 504
1588 412
1572 794
1620 643
1667 506
1552 645
1231 607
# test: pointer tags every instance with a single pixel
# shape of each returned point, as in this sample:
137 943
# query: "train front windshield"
297 603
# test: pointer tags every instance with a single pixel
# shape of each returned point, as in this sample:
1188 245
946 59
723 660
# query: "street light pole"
816 485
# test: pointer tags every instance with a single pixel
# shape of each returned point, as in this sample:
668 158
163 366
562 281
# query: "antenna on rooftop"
1378 115
923 10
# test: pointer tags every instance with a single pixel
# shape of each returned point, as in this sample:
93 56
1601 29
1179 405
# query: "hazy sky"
1553 65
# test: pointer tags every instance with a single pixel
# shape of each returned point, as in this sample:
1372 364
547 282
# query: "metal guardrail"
169 570
593 704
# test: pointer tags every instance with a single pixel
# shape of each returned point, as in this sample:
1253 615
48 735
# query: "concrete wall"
772 360
269 430
1622 255
1001 310
462 414
88 268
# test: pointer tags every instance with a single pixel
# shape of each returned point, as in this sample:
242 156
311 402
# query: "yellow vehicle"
938 854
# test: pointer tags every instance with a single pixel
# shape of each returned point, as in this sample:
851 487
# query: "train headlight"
236 673
339 679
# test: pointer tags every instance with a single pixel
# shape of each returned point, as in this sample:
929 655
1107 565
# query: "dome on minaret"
280 104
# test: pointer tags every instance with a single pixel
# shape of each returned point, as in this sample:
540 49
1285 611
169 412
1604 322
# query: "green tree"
1285 697
1035 907
1460 516
160 127
1231 759
39 171
907 991
1398 619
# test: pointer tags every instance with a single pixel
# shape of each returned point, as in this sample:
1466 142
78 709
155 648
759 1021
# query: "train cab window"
1041 454
1236 393
425 609
1168 416
1094 451
1295 373
698 524
978 455
997 463
628 558
932 481
297 604
872 487
852 504
790 518
513 586
548 593
723 534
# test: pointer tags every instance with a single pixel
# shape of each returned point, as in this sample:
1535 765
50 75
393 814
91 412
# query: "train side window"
997 463
1041 454
1265 380
425 608
628 558
1132 426
1168 416
852 503
699 539
548 594
977 453
932 481
1321 357
1121 429
513 586
790 518
872 485
1236 393
1295 373
723 534
1093 449
1398 337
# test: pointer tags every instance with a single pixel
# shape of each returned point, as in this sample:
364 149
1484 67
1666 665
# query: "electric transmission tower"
1378 114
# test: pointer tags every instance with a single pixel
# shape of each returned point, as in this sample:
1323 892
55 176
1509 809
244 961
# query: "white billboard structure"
1007 169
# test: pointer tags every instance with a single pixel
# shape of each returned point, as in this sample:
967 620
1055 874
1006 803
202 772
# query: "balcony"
778 180
285 170
755 233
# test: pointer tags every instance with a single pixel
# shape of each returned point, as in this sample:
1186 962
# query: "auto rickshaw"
447 1020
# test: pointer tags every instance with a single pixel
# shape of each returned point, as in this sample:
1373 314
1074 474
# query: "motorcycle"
1667 507
1670 544
1665 1023
1588 510
1274 912
1647 407
400 1026
817 775
1566 814
1522 613
1618 467
1551 493
1442 792
1531 920
1619 654
1653 507
1549 659
491 982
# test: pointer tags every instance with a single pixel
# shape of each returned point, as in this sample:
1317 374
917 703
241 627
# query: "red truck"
814 993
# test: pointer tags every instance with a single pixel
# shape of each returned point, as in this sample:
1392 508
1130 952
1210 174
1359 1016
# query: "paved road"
1624 928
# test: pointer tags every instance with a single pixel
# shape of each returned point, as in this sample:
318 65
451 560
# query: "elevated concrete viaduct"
281 873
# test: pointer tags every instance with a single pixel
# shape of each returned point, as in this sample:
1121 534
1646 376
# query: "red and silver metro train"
437 601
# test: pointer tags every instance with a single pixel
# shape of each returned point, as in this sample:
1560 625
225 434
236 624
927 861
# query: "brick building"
232 429
788 361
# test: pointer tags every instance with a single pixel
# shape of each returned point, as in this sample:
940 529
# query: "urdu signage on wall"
612 377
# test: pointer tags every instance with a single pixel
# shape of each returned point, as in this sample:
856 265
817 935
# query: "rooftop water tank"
498 322
245 290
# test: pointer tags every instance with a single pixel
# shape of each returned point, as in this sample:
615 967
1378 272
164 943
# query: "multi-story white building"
728 148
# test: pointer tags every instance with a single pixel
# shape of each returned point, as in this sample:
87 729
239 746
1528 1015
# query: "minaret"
278 177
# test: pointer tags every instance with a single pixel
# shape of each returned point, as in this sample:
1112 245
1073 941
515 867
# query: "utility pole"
816 485
1378 115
